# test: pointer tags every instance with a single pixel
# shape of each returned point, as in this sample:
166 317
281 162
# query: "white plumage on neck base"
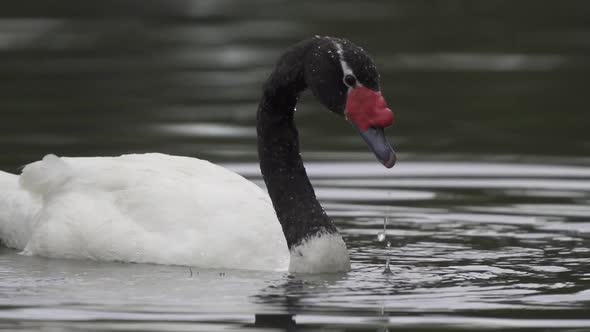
322 253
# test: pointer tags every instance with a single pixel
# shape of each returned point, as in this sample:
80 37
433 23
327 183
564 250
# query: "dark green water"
489 206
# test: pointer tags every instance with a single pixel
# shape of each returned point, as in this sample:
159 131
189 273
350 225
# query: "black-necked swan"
157 208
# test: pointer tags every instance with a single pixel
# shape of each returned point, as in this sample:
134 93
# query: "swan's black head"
343 77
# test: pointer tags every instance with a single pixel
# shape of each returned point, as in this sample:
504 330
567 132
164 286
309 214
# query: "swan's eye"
350 80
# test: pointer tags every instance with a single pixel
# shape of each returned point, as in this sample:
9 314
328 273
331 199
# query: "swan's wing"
153 208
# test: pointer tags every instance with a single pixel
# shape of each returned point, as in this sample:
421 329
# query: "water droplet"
381 235
387 269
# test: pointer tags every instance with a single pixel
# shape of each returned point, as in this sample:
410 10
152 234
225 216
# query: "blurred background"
489 205
492 79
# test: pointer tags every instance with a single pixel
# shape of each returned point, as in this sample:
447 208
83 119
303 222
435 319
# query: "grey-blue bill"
378 143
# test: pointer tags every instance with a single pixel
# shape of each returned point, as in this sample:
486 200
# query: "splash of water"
387 270
381 236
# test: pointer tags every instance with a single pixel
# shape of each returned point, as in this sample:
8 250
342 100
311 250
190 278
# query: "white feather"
17 209
345 67
150 208
322 253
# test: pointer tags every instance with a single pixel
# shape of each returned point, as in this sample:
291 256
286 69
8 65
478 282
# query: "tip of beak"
390 161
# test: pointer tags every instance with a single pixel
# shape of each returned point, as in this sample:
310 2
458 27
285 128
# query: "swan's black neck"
297 208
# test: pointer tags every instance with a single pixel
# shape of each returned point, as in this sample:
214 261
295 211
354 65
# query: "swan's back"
152 208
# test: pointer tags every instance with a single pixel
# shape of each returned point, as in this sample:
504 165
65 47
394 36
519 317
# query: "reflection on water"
481 62
205 130
488 207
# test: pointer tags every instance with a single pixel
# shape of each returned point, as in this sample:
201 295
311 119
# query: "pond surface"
473 245
487 211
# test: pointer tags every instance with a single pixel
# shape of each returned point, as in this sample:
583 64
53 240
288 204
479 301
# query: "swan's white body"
149 208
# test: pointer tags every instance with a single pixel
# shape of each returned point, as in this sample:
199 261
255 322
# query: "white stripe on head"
345 68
